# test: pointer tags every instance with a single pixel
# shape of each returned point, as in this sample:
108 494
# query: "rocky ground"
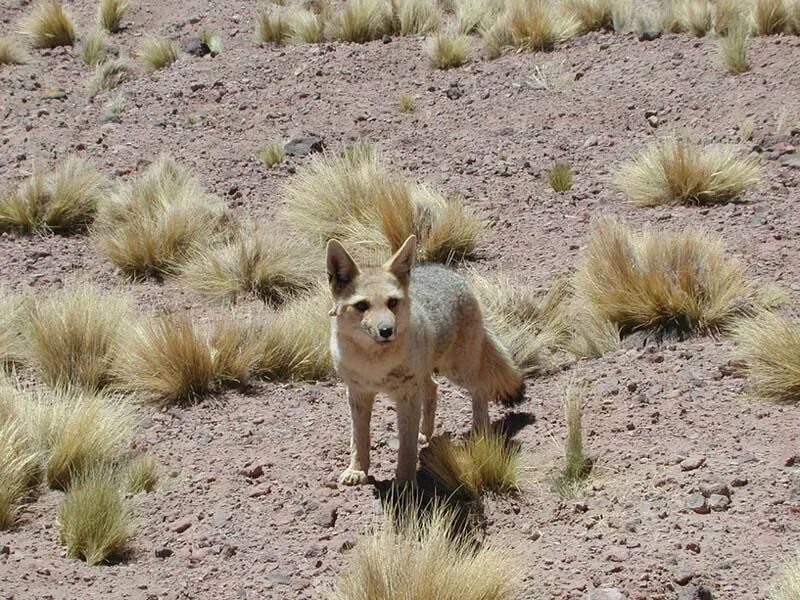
696 485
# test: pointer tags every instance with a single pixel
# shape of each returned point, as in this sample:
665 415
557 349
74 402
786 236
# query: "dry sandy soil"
249 505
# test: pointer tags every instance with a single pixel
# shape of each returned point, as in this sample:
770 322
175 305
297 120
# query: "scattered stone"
386 39
697 503
280 578
693 547
260 490
718 502
684 577
254 472
792 460
719 488
195 47
618 555
590 142
580 507
163 552
303 146
604 594
326 516
739 482
696 592
5 550
653 121
181 525
454 92
692 462
649 35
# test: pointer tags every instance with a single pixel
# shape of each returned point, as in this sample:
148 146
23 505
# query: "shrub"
110 14
447 50
50 26
158 53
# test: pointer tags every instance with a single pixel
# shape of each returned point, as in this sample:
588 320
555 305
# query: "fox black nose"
386 332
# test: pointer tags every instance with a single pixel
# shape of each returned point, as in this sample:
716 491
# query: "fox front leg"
408 414
360 415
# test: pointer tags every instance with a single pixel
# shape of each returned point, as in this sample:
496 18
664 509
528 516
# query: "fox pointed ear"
341 267
400 264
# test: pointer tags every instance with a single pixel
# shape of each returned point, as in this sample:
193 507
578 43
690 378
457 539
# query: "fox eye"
392 303
361 306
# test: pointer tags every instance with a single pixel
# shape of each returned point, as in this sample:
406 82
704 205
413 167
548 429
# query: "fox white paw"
353 477
422 439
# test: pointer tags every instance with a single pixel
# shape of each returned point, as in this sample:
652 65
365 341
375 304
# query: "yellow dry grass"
19 465
151 227
771 17
362 21
110 14
560 177
675 171
158 53
593 15
141 474
690 16
418 16
673 283
110 74
63 200
307 27
577 467
733 48
732 13
11 53
769 347
70 337
447 50
414 556
93 51
476 15
786 582
257 261
12 309
538 24
273 26
94 523
49 26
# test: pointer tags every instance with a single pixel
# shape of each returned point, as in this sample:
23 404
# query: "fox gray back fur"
392 328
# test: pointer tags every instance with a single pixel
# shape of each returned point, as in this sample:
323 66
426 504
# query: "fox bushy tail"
500 380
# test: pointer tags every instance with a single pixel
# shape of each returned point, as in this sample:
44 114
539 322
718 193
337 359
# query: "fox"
393 327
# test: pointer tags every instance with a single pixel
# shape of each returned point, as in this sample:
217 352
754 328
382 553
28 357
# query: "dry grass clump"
273 26
550 76
11 53
534 25
19 465
769 347
690 16
560 177
362 21
49 26
358 200
154 225
257 261
577 466
675 171
732 13
412 556
158 53
786 583
63 200
271 155
110 14
213 42
12 309
667 282
527 323
473 16
418 16
593 15
447 50
93 51
141 475
307 27
772 17
733 49
94 523
484 462
110 74
406 103
78 431
70 337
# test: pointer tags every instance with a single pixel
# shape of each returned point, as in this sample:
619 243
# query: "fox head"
371 302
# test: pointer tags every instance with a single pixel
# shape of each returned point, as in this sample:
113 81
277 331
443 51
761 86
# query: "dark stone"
696 592
163 552
649 35
195 47
302 146
454 92
697 503
386 38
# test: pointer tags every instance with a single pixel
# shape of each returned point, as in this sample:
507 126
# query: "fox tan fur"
393 327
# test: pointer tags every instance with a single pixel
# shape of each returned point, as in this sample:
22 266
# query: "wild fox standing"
393 327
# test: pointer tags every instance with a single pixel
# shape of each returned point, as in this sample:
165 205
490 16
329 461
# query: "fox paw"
422 439
353 477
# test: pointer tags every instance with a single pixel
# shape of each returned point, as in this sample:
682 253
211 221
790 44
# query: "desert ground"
248 504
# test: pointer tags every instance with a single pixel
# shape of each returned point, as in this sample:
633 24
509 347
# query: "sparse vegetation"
11 53
484 462
142 474
771 17
560 177
406 103
307 27
447 50
550 76
733 49
19 464
158 53
213 42
732 13
691 16
671 284
257 262
676 171
49 26
151 227
537 24
94 523
418 16
11 310
362 21
110 14
769 347
786 583
93 51
593 15
112 73
425 557
475 15
577 466
273 26
272 155
63 200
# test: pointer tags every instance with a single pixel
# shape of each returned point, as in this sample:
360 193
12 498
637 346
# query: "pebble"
696 592
690 463
649 35
684 577
618 555
163 552
697 503
326 516
718 502
604 594
181 525
710 489
260 490
739 482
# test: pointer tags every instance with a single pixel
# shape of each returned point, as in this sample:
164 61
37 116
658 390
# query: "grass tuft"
771 17
538 25
732 13
12 309
110 74
213 42
307 27
94 523
273 26
141 475
577 466
272 155
769 346
19 465
473 16
110 14
49 26
256 262
447 50
70 337
560 177
786 583
361 21
672 284
93 51
418 16
550 76
64 200
676 171
158 53
12 53
406 103
733 49
593 15
424 556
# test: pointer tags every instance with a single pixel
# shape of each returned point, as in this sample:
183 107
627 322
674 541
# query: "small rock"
260 490
454 92
618 555
792 460
197 85
254 472
649 35
697 503
653 121
684 577
163 552
580 507
739 481
604 594
719 488
386 39
696 592
5 550
692 462
326 516
195 47
181 525
590 141
718 502
693 547
303 146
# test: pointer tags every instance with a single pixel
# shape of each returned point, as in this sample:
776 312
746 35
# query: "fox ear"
341 267
400 264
